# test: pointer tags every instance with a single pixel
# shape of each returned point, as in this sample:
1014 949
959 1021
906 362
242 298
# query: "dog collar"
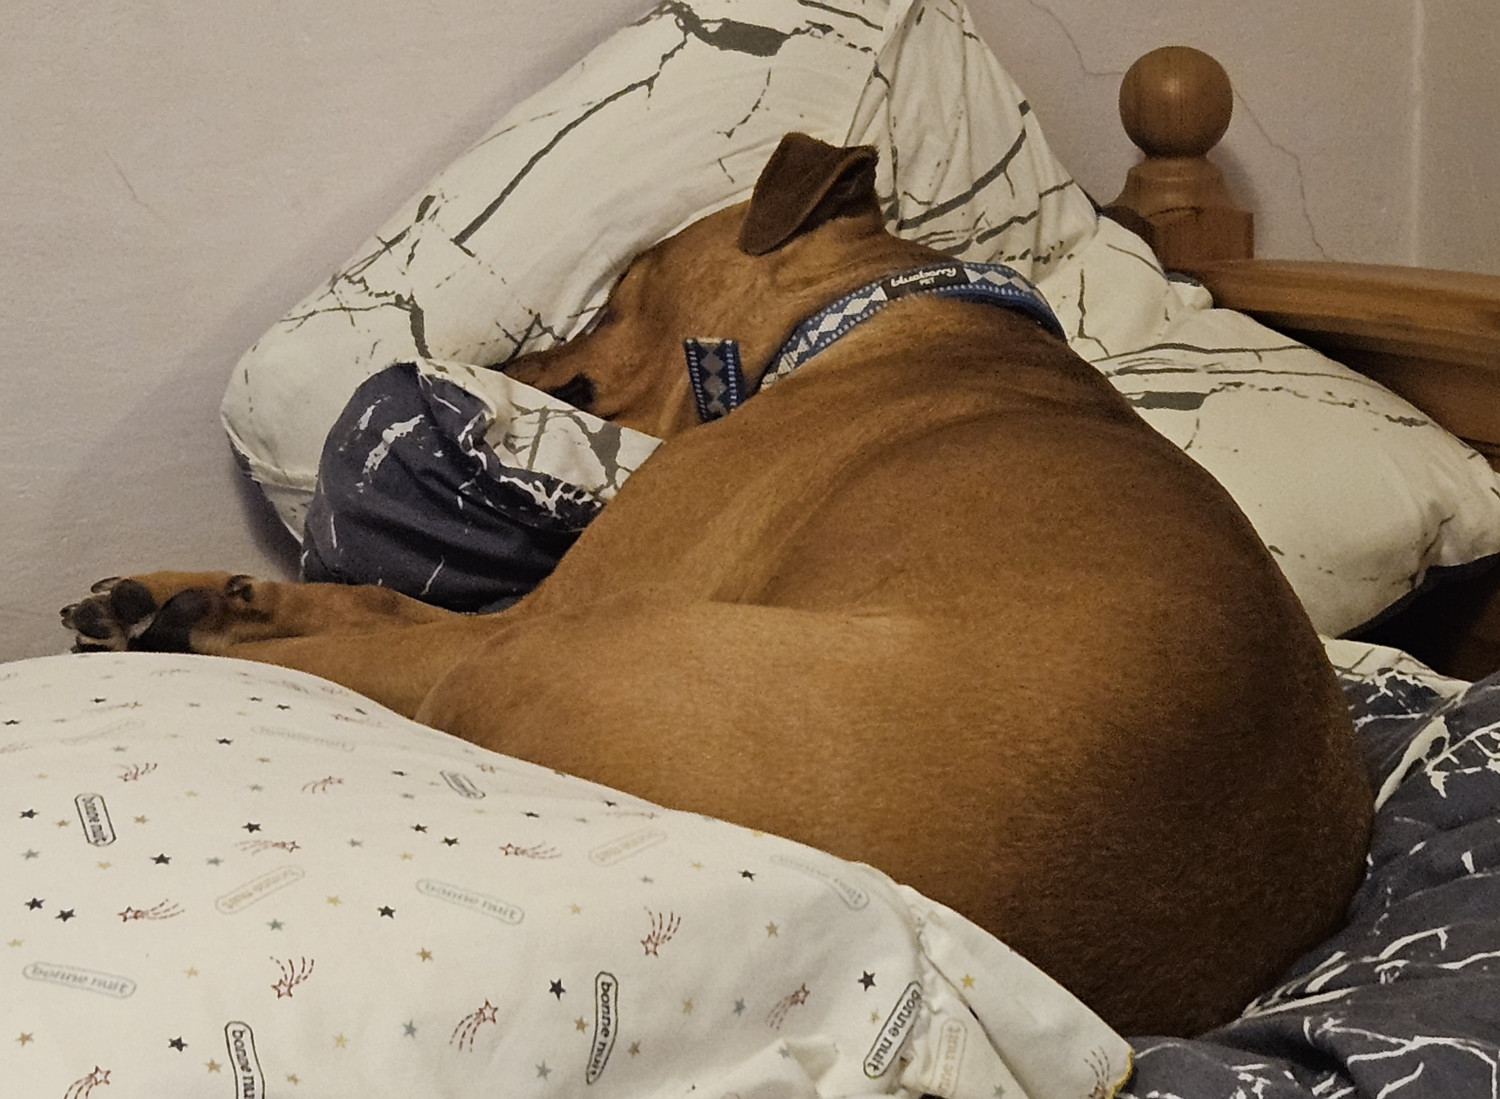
714 365
717 380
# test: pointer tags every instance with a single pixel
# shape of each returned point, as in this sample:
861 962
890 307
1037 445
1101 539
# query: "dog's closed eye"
577 391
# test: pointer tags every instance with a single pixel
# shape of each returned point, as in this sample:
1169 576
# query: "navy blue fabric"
1405 1001
410 496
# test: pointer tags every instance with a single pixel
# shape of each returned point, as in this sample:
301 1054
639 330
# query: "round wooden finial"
1176 102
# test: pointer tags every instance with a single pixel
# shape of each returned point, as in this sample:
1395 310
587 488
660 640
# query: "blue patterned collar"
714 365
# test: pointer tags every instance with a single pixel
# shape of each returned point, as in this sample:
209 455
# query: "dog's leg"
796 722
396 666
1125 879
368 638
207 612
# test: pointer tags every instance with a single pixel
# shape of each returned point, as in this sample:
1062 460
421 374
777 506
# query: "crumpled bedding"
226 878
1405 1001
229 879
450 484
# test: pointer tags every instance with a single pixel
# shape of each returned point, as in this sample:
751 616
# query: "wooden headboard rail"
1431 336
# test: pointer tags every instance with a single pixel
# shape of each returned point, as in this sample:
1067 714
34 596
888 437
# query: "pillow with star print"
235 879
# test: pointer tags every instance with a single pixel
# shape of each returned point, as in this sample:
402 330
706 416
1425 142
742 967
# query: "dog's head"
811 231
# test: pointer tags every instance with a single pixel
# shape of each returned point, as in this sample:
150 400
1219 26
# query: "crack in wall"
130 187
1067 33
1304 206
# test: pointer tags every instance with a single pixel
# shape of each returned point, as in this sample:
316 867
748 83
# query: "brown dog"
938 601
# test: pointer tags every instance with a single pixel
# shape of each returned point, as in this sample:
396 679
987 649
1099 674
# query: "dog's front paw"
124 613
118 612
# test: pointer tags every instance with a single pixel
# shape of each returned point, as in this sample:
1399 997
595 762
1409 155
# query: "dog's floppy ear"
805 183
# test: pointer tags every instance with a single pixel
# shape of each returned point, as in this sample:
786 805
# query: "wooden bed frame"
1431 336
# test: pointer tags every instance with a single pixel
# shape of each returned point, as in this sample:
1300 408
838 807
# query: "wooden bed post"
1175 103
1431 336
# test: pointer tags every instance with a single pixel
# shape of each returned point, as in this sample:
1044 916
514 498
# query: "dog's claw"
87 620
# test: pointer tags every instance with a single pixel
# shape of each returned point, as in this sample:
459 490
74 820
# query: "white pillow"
1356 492
512 246
227 878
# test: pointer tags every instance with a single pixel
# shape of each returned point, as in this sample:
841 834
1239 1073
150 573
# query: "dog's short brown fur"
939 601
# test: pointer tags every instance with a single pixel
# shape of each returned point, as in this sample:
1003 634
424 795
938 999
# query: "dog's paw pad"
112 617
131 602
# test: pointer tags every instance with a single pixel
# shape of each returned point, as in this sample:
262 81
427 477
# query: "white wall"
175 176
1458 183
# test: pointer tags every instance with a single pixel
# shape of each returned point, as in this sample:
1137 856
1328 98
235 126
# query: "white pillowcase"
230 879
512 246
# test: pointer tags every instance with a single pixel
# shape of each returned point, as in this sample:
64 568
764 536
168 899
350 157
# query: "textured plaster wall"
176 175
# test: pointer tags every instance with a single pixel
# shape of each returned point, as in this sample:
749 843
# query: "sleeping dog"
934 599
